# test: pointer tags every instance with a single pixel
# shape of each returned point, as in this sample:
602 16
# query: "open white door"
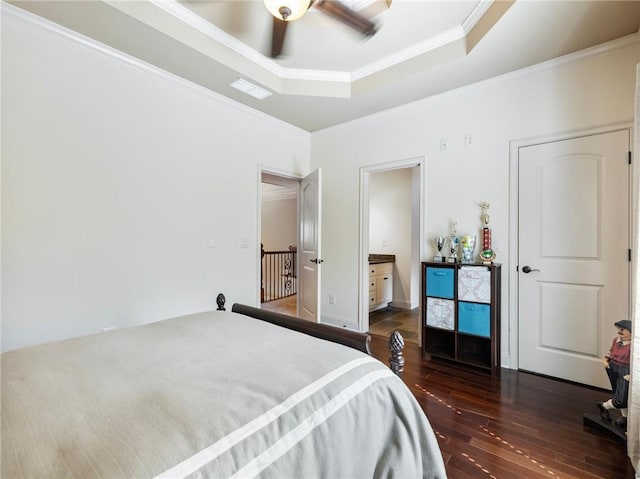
309 251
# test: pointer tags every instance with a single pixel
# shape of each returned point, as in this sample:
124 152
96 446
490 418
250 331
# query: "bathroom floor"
384 321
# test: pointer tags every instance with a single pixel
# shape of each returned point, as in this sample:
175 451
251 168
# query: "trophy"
486 254
468 243
439 242
453 244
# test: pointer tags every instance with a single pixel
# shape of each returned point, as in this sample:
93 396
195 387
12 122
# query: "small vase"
468 243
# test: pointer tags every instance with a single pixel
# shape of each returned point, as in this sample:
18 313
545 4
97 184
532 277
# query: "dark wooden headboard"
348 338
352 339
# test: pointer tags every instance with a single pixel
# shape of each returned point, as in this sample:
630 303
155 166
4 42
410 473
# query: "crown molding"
571 57
196 21
597 50
426 46
476 15
422 49
87 42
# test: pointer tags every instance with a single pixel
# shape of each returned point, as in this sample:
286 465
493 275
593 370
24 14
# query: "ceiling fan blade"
346 15
277 36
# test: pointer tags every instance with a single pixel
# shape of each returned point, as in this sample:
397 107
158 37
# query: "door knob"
317 261
528 269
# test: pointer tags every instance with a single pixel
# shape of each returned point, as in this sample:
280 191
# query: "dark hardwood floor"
517 425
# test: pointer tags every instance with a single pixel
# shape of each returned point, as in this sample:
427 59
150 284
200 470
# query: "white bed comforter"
208 395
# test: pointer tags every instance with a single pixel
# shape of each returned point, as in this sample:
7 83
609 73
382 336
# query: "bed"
241 393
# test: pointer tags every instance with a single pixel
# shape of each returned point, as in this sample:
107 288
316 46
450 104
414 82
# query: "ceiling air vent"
250 89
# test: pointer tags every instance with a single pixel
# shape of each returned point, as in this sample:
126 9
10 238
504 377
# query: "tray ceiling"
328 73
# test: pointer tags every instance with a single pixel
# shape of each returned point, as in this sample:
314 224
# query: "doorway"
279 198
573 253
391 212
289 260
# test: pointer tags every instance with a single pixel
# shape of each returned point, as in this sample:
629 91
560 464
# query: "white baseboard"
338 322
403 305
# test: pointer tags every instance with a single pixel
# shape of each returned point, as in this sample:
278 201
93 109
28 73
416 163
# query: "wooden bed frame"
352 339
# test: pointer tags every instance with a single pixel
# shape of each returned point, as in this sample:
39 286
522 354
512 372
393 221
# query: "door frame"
510 352
363 257
285 175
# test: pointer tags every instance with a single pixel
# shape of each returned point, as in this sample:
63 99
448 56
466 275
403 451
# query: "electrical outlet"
332 298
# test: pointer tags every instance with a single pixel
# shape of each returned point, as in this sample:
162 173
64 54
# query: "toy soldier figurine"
617 367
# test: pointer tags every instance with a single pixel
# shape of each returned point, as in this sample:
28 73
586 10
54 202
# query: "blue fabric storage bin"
440 282
474 318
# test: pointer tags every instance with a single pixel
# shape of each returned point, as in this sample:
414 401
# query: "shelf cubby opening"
474 350
441 342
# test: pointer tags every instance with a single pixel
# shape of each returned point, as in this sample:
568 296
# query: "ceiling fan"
285 11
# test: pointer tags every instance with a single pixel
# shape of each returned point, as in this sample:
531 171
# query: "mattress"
215 394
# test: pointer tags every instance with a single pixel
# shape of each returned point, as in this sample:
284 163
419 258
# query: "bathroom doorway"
391 197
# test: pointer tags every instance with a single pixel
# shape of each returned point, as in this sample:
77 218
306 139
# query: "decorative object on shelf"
487 255
453 243
468 243
439 242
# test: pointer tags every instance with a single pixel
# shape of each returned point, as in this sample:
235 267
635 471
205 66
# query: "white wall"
585 92
390 227
115 180
279 224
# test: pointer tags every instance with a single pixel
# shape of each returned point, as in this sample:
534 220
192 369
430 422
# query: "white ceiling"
329 74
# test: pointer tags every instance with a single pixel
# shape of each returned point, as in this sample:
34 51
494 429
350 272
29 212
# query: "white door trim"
363 257
510 350
284 174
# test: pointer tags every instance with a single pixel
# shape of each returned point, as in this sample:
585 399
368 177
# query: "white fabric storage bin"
440 313
474 284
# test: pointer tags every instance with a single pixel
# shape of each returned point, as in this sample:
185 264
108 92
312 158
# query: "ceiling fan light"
287 10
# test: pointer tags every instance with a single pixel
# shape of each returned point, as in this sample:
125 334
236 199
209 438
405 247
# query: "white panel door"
573 254
310 261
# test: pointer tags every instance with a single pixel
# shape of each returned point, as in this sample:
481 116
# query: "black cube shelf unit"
461 313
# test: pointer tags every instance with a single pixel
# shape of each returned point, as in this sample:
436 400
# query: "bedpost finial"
396 345
220 299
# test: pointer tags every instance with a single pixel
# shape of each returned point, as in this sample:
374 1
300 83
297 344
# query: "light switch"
468 140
